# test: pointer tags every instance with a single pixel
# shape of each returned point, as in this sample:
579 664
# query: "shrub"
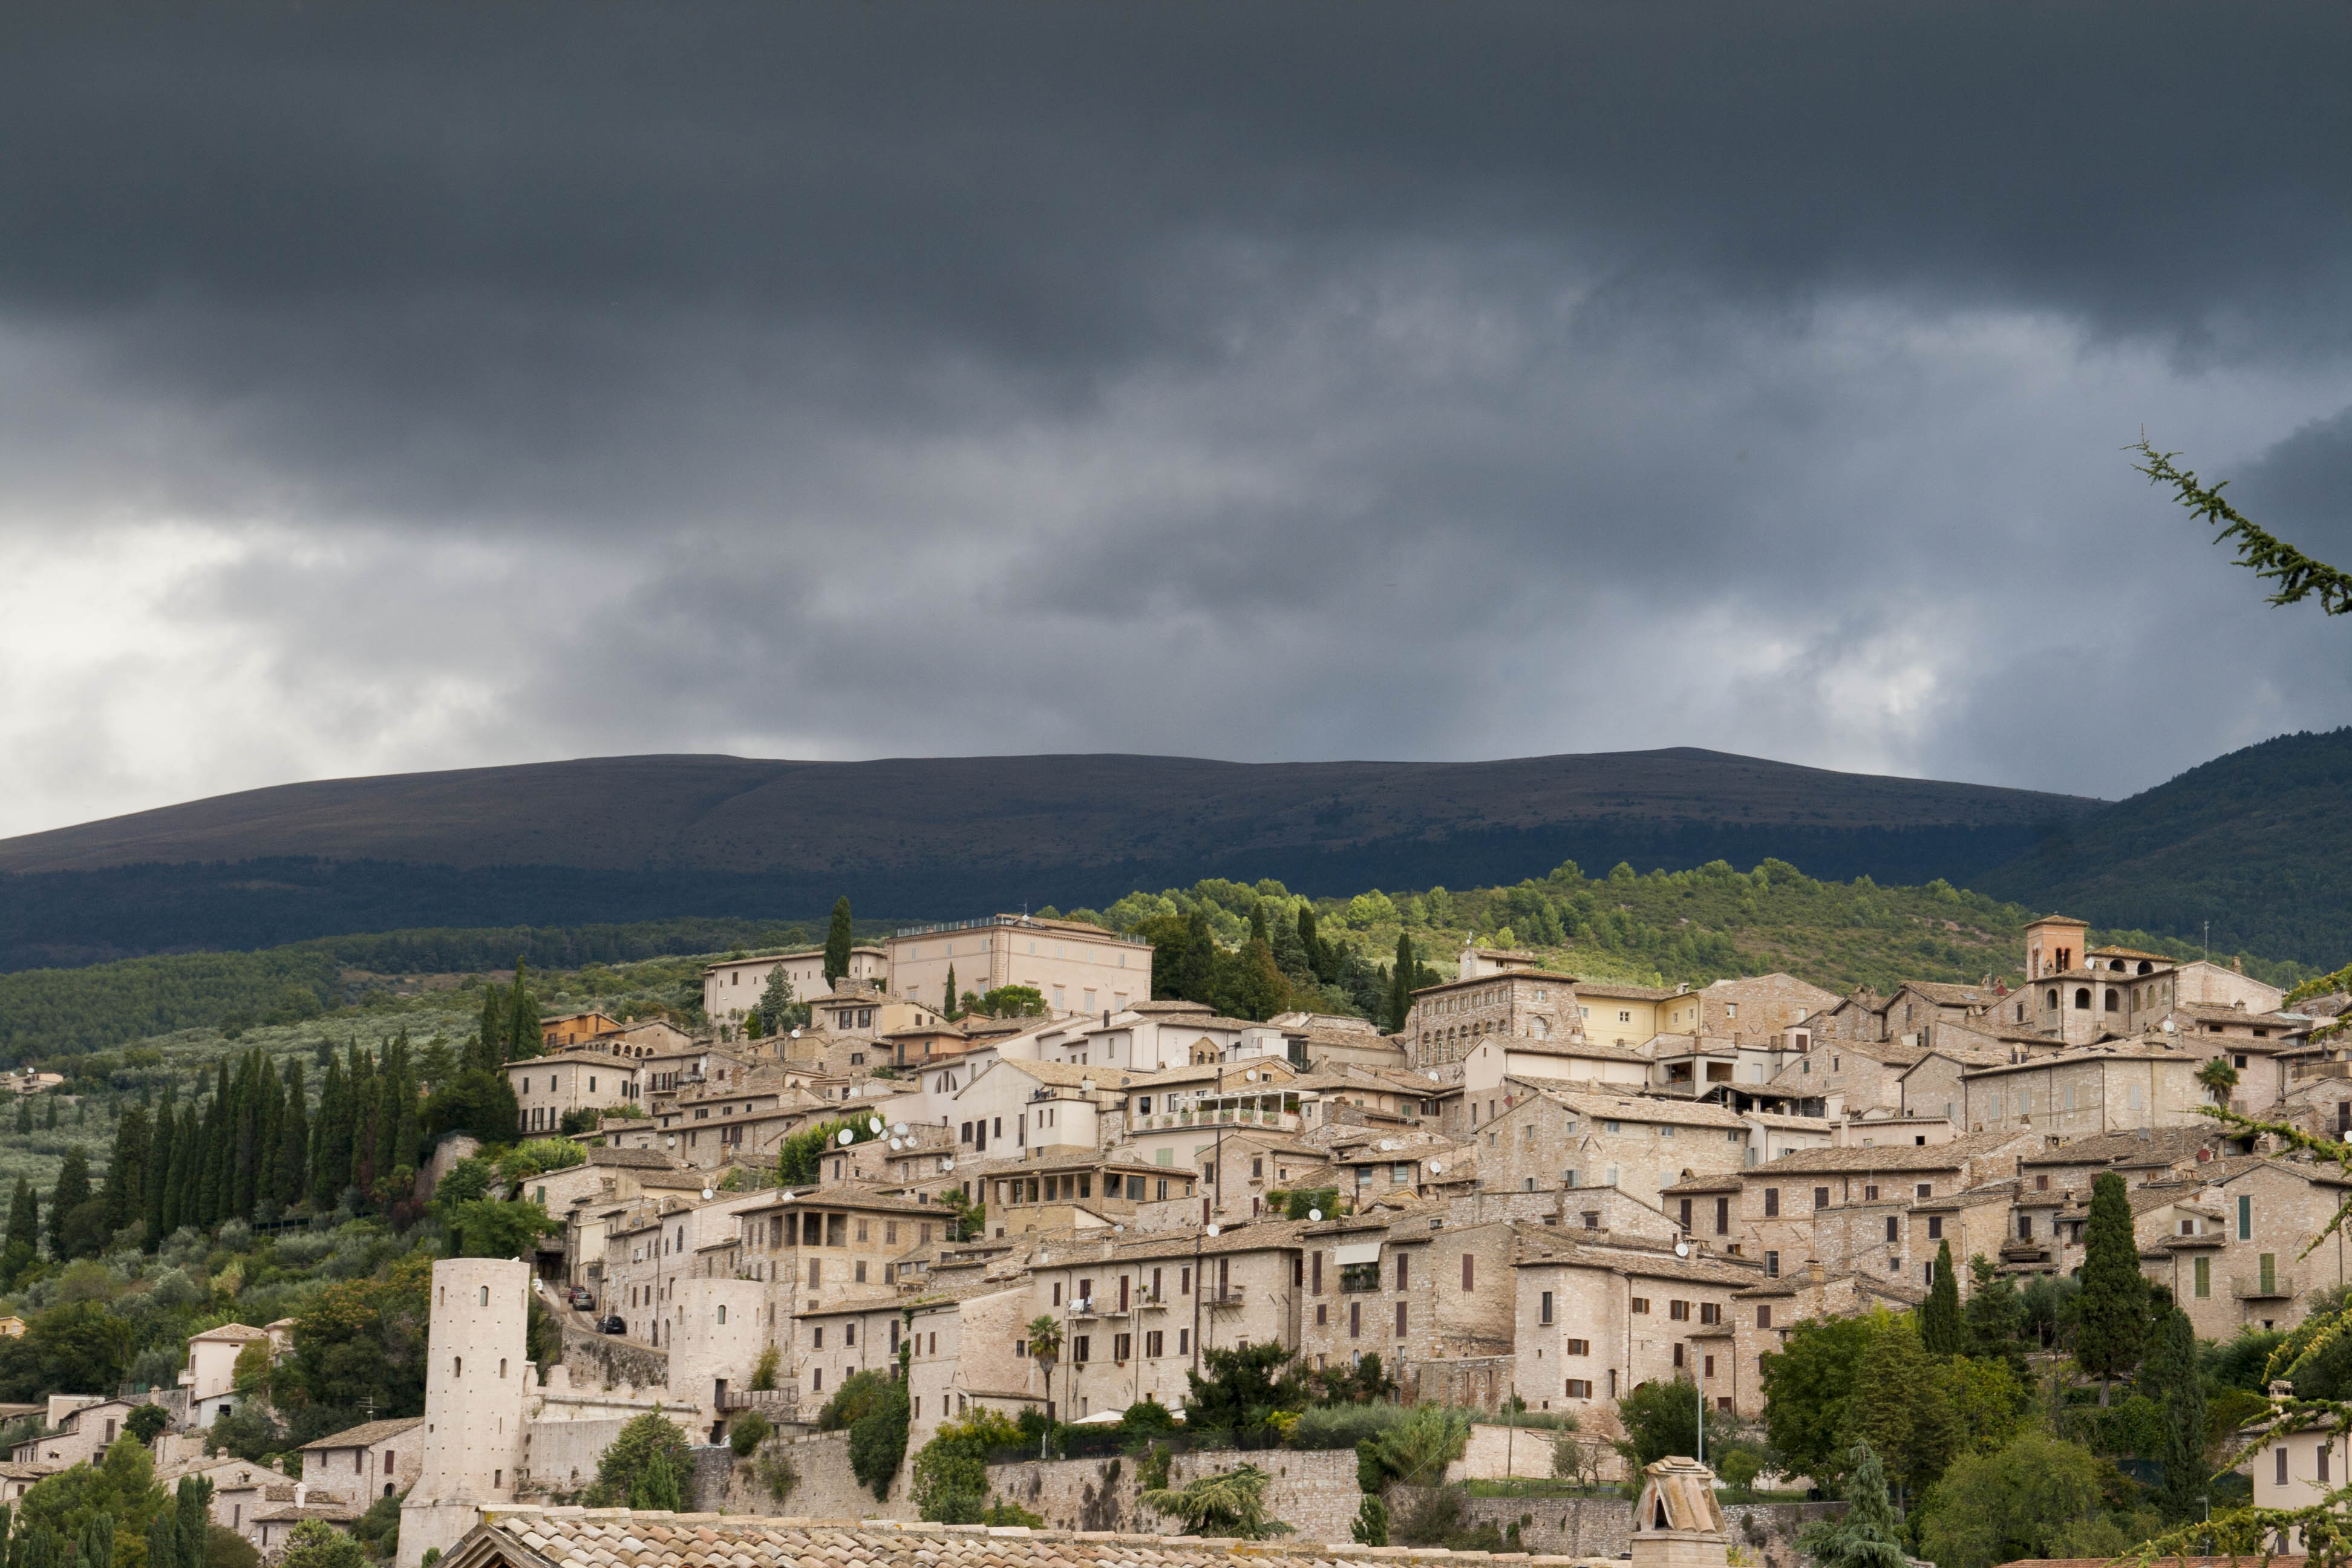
763 1371
1228 1502
750 1430
1343 1426
949 1483
622 1466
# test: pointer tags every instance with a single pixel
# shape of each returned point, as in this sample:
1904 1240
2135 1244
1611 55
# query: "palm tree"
2219 1077
1044 1339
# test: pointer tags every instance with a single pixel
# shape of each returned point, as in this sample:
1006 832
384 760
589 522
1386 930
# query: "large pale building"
1076 968
733 986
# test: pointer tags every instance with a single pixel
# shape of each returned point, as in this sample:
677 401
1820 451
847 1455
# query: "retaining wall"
608 1360
1603 1526
1313 1490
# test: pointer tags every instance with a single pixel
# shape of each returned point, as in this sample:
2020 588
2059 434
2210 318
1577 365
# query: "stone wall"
1312 1490
823 1487
1603 1526
608 1360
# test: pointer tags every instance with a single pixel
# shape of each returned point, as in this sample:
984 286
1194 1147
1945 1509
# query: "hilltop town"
1540 1194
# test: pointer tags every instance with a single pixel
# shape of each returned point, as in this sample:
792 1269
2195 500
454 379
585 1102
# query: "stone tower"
475 1383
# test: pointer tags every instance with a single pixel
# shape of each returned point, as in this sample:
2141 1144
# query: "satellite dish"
1388 1143
895 1144
947 1164
786 1196
1682 1249
1250 1075
1212 1230
874 1126
707 1195
1118 1230
900 1130
1435 1169
848 1136
1432 1075
1315 1214
796 1035
1085 1086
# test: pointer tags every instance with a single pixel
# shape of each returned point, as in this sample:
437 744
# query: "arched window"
2114 1002
486 1295
2082 998
458 1368
2146 967
2051 1001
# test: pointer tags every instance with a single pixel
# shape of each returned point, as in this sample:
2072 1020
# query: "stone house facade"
2098 1088
546 1089
1079 969
1838 1078
1446 1022
1551 1139
366 1462
1599 1318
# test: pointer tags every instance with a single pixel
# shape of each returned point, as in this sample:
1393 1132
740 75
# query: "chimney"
1814 1273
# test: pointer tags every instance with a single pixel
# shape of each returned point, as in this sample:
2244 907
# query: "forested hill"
640 838
2258 842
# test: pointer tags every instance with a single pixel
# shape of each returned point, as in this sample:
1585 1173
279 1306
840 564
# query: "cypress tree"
23 1114
180 1205
293 1170
126 1173
245 1118
49 1119
25 1217
408 1131
195 1514
273 1107
2170 1377
2112 1330
38 1547
1257 923
1401 984
1940 1318
1196 971
158 1175
98 1541
524 1038
163 1539
70 1192
486 1050
1317 960
330 1140
837 943
948 1006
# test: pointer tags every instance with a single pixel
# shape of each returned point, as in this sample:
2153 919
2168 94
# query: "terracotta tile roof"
618 1538
366 1434
634 1159
1889 1157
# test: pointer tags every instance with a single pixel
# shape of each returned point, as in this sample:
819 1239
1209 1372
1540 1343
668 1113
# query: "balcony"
1231 1296
2270 1285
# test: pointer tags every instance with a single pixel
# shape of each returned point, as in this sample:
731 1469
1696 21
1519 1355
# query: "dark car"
611 1326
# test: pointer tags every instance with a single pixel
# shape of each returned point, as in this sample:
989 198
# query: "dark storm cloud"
468 382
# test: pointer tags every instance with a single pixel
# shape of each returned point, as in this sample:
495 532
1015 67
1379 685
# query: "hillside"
105 1021
642 839
2259 842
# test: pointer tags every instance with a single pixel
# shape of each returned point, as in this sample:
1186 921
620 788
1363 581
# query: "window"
1771 1265
1355 1320
1580 1388
1578 1347
1154 1343
1869 1192
2281 1452
1935 1228
1771 1203
1400 1270
2245 1217
1892 1231
1678 1311
1723 1216
1820 1197
2026 1227
1469 1274
1545 1308
1400 1327
1764 1317
1640 1304
2204 1278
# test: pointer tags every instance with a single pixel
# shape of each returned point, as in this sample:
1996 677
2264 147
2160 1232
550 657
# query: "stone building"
1838 1078
1834 1206
548 1089
1763 1313
732 988
2114 1087
1446 1022
1596 1318
363 1463
1076 968
1545 1139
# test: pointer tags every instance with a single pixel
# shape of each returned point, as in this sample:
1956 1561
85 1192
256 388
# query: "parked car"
612 1326
582 1300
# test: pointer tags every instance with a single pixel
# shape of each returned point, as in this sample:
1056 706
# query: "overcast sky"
423 386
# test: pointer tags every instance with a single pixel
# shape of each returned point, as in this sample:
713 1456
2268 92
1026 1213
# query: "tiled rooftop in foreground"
524 1537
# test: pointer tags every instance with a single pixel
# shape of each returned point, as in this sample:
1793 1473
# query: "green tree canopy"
1662 1418
1868 1535
1940 1331
1808 1384
1242 1390
2038 1497
314 1544
632 1451
950 1480
838 940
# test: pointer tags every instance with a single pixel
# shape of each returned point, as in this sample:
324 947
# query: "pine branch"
2298 576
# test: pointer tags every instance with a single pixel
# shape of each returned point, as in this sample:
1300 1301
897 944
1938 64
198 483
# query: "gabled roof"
367 1433
233 1333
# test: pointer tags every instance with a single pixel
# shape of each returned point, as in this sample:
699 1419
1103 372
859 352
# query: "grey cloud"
1315 380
